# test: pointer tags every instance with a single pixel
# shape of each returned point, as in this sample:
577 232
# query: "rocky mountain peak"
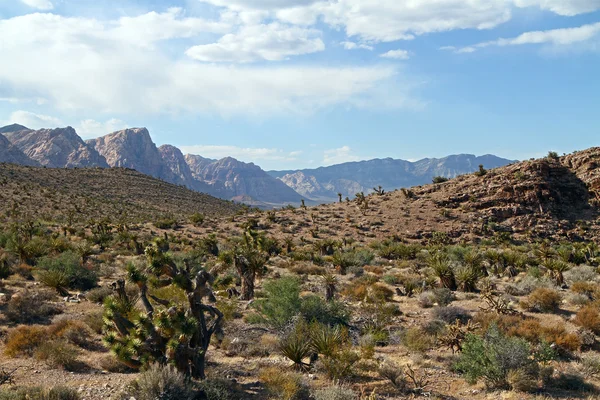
56 148
10 153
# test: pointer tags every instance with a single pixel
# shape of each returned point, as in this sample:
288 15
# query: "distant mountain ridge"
227 178
324 183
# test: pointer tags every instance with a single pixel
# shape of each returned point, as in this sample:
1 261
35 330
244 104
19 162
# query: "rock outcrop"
56 148
134 148
9 153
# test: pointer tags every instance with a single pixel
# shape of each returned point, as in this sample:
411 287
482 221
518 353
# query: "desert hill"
554 198
117 193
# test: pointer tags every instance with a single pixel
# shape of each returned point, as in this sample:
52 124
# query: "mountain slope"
9 153
555 199
233 179
116 193
55 148
12 128
133 148
350 178
176 161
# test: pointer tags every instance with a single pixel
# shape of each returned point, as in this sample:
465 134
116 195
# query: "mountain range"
227 178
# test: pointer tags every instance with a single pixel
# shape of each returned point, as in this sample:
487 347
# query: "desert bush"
588 317
162 382
336 392
543 300
493 357
326 340
314 308
284 384
73 331
58 354
427 299
110 363
69 265
415 339
24 340
95 321
534 332
450 314
282 301
31 306
166 222
398 251
590 365
344 260
97 295
39 393
340 366
529 283
443 296
197 219
218 389
296 345
393 373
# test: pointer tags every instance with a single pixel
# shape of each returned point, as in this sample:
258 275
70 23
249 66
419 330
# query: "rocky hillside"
553 198
54 148
10 153
233 179
325 183
52 194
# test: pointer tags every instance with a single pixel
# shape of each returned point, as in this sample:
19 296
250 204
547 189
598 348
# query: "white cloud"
562 7
241 153
356 46
272 42
396 54
32 120
338 156
85 68
39 4
556 37
91 128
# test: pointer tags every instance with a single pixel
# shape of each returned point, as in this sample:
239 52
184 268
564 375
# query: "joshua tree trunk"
247 275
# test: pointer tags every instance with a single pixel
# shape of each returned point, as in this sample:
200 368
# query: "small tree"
162 332
249 261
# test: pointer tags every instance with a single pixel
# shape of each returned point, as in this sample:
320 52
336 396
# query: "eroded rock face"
133 148
56 148
9 153
234 179
308 186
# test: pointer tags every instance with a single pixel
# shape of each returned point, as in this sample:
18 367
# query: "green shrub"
162 382
58 354
493 356
282 301
69 264
197 219
314 308
439 179
340 365
415 339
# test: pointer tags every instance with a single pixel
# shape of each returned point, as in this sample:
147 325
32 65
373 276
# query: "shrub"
111 363
337 392
493 356
73 331
589 318
296 345
282 301
24 340
38 393
314 308
58 354
590 365
197 219
443 296
450 314
97 295
416 339
95 321
543 300
340 365
31 306
162 382
218 389
393 373
284 385
166 222
439 179
69 265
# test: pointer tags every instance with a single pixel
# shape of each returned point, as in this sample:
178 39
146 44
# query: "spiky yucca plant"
467 278
160 331
556 268
442 268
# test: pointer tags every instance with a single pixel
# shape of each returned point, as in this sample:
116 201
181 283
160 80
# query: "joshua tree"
442 268
379 190
330 282
340 197
249 261
162 331
303 205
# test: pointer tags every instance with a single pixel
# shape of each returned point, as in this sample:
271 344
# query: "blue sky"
302 83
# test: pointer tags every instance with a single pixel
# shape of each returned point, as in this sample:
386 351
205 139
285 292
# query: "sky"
291 84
